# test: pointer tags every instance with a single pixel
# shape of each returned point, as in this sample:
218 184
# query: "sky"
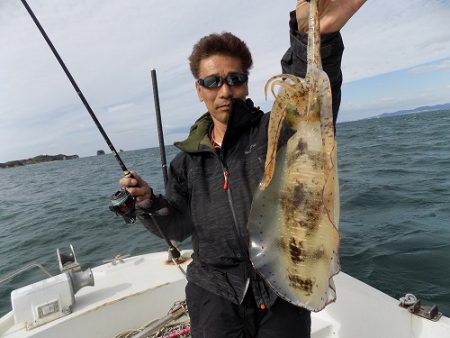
397 56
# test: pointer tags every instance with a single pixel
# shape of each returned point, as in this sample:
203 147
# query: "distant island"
100 152
37 159
423 109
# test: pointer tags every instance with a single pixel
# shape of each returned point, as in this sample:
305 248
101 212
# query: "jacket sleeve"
170 214
294 60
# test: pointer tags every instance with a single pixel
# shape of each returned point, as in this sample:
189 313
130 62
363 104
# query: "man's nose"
225 90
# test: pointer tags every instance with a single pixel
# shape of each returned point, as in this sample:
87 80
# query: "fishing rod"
77 89
162 148
122 203
174 252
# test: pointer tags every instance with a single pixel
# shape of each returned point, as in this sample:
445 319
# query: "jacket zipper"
243 247
225 179
226 187
240 239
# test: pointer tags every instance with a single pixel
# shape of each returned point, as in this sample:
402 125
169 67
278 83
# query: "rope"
169 326
408 300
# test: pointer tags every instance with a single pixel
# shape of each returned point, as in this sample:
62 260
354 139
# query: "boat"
142 295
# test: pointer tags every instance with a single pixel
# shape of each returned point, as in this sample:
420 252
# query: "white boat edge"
139 289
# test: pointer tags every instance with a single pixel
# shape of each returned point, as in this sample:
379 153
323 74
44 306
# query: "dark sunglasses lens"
211 81
214 81
236 79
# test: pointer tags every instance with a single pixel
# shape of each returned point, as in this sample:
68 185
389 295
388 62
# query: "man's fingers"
333 14
136 187
140 199
301 12
129 182
138 191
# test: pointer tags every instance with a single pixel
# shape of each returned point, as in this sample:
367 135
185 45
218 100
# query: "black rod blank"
162 151
77 89
162 148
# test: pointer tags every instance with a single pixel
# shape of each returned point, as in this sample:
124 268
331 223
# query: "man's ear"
198 89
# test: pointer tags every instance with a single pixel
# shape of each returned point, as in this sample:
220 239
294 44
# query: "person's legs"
215 317
284 320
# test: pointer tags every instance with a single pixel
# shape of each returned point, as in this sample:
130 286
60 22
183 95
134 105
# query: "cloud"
110 47
441 66
387 99
177 130
387 36
119 107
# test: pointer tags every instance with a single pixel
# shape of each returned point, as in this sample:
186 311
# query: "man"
213 178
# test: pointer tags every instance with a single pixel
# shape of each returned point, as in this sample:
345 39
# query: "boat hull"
131 294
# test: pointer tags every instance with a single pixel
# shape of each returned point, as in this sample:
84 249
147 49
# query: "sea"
394 194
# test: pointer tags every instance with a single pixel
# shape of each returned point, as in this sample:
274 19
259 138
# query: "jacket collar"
243 115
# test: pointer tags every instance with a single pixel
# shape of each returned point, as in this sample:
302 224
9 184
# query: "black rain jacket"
209 192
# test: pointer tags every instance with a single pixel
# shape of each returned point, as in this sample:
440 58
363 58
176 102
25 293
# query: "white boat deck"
142 288
125 296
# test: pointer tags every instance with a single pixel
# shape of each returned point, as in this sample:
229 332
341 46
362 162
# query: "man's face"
218 100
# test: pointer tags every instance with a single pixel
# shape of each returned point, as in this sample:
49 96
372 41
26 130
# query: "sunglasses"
214 81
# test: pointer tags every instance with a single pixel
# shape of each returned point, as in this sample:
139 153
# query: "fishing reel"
123 204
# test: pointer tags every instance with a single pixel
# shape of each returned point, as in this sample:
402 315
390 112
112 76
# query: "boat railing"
24 269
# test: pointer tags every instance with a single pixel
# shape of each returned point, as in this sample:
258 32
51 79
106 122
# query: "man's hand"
334 14
137 188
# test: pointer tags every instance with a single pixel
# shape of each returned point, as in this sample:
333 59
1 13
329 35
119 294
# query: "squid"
294 218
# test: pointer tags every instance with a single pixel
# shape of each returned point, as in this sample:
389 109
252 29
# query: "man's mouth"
226 106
